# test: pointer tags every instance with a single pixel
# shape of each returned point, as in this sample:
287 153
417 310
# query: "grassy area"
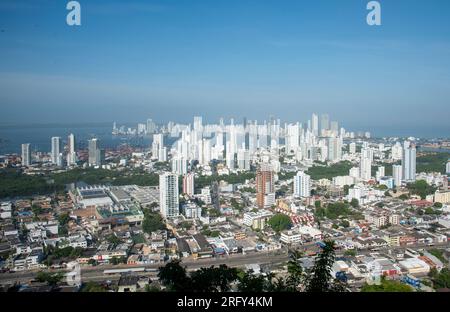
14 183
329 172
232 179
438 254
432 162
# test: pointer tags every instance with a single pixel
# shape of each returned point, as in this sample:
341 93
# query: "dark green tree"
320 278
174 277
280 222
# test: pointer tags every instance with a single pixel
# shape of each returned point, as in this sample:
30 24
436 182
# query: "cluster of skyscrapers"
61 157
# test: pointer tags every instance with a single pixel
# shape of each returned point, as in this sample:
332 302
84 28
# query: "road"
95 273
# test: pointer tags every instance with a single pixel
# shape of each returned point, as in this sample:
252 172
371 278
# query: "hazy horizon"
172 60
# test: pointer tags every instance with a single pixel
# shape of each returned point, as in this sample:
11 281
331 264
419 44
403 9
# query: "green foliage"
51 279
387 286
440 280
431 211
234 203
203 181
321 279
350 252
152 222
118 260
280 222
248 189
345 223
354 203
114 240
432 162
66 253
437 205
249 282
13 183
185 225
438 253
174 276
329 172
335 210
421 188
63 219
138 239
92 287
214 279
152 288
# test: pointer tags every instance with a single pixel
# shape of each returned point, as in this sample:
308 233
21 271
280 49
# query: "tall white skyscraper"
324 123
71 154
56 154
396 151
168 195
334 149
302 185
158 147
243 158
26 156
447 167
315 124
397 175
179 165
95 154
409 161
352 148
151 127
365 165
380 173
198 123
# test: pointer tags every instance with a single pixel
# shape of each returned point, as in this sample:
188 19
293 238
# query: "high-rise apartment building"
168 195
56 155
409 161
71 153
188 184
315 124
397 175
334 149
302 185
96 155
324 123
26 156
365 165
265 196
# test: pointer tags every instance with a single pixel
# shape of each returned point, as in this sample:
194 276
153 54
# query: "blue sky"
171 60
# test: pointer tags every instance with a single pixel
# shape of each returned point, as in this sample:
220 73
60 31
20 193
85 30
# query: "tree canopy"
280 222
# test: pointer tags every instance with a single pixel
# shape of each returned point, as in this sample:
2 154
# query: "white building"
409 161
397 175
168 195
56 156
71 153
26 156
302 185
192 211
365 166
